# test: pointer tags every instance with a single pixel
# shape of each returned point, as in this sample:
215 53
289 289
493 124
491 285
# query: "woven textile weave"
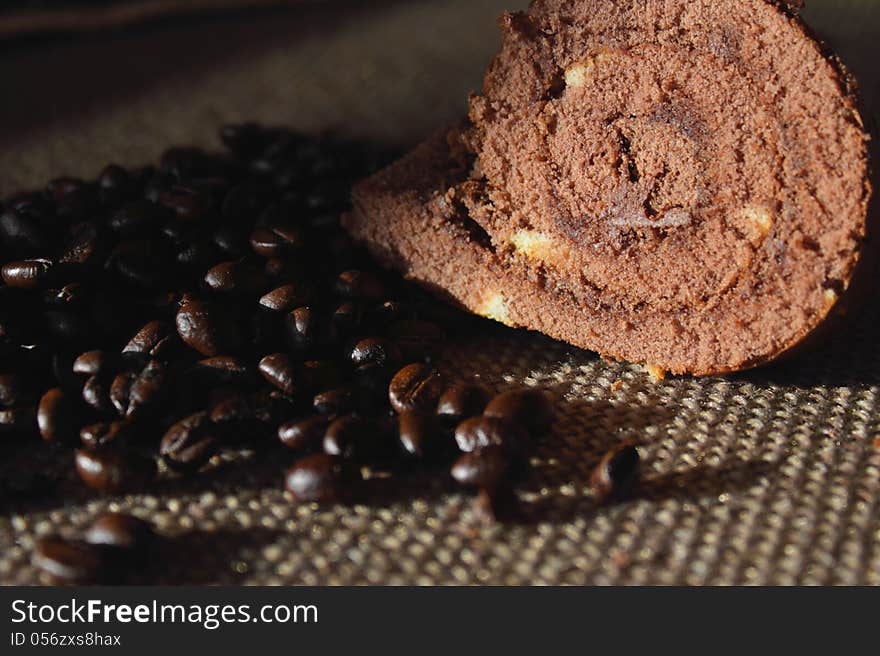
765 477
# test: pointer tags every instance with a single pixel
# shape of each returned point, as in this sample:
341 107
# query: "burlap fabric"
770 476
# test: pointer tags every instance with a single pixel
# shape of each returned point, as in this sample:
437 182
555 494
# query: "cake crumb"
656 372
616 385
495 307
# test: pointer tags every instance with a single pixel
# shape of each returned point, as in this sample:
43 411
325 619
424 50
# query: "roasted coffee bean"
279 371
12 390
418 434
359 285
120 391
114 469
138 263
287 297
27 274
120 531
20 419
485 467
321 477
277 241
356 437
303 328
147 389
223 370
494 504
22 232
416 339
149 337
96 393
479 432
415 387
91 363
338 401
57 417
206 328
84 245
186 203
530 408
303 434
105 432
189 443
375 350
459 402
236 277
69 561
320 374
617 474
346 319
260 407
138 218
68 326
380 315
245 202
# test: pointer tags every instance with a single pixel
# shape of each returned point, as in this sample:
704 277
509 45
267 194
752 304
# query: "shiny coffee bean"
69 562
91 363
359 285
104 432
83 246
355 437
346 319
530 408
120 391
236 277
485 467
206 328
260 407
304 434
303 328
418 434
287 297
26 274
320 374
149 337
276 241
278 369
57 417
120 531
479 432
322 478
338 401
20 419
375 350
189 443
138 218
12 390
459 402
186 203
114 469
147 389
223 370
617 474
415 387
96 393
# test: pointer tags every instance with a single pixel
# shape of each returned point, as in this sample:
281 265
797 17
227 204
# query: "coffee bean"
12 390
105 432
359 285
26 274
260 407
322 478
20 419
530 408
236 277
303 434
303 328
57 417
279 371
479 432
69 561
223 370
617 474
459 402
22 232
287 297
91 363
206 328
120 531
189 443
338 401
186 203
418 434
415 387
149 337
138 218
355 437
380 315
375 350
494 504
147 389
346 319
96 393
277 241
485 467
120 391
114 469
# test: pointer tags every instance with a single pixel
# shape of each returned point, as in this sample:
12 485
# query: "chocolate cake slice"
682 183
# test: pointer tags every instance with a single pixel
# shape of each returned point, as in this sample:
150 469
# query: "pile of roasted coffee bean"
153 317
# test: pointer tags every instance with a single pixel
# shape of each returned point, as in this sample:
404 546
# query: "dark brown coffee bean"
19 419
120 531
359 285
418 434
355 437
303 328
186 203
529 407
276 241
375 350
206 328
338 401
85 243
320 374
495 504
120 391
138 217
147 389
96 393
287 297
479 432
346 319
189 443
459 402
485 467
260 407
57 417
223 370
69 561
236 277
303 434
114 469
105 432
12 390
417 339
415 387
617 474
91 363
148 338
322 478
279 371
26 274
380 315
